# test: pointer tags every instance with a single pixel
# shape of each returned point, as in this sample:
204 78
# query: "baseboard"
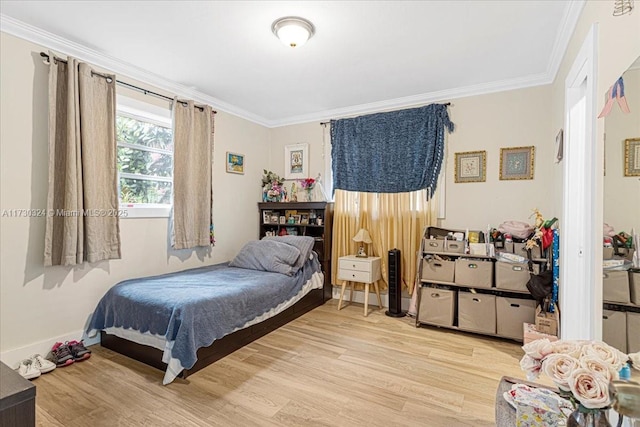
13 357
358 297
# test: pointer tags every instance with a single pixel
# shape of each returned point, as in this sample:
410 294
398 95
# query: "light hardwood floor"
329 368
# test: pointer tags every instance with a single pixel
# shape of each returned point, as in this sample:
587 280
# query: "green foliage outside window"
144 163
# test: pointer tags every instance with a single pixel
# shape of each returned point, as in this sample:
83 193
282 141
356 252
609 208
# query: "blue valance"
392 152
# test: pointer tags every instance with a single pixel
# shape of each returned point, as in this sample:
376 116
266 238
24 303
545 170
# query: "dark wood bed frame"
226 345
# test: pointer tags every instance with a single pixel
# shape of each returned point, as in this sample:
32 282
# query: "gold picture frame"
471 166
632 157
517 163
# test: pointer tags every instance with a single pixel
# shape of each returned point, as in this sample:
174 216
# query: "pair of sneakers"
35 366
69 352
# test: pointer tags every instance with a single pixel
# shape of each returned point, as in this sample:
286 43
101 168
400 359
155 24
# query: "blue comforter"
196 307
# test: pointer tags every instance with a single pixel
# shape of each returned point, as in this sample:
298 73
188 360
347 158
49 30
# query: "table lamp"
362 237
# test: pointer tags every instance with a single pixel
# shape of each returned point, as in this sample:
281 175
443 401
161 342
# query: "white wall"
618 48
486 122
41 305
622 193
514 118
309 133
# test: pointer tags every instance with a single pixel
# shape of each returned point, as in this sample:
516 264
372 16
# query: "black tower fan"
395 288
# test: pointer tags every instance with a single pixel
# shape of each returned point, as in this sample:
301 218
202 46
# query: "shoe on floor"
79 351
61 355
28 370
42 364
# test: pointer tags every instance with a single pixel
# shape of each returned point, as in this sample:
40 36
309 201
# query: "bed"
181 322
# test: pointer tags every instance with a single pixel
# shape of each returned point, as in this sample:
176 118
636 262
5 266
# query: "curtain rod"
128 85
446 104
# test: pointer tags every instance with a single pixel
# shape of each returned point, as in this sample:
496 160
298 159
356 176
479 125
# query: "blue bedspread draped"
392 152
196 307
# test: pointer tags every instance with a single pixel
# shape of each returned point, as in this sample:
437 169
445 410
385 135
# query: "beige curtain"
394 220
82 201
192 174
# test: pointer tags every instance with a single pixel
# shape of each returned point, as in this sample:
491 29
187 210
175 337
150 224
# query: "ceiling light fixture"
292 30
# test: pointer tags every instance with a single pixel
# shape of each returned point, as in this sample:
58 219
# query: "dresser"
360 270
17 399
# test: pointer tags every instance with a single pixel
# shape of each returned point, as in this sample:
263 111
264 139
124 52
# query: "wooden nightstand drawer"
355 265
355 276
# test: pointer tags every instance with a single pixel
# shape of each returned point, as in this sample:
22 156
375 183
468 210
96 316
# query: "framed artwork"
296 161
266 217
632 157
235 163
516 163
471 166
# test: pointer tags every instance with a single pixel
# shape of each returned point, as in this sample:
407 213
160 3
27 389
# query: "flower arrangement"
271 178
272 188
307 183
582 370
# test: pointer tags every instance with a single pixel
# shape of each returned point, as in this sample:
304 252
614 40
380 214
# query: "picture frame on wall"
235 163
632 157
471 166
296 161
517 163
559 147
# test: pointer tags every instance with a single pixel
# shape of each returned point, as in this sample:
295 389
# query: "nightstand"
362 270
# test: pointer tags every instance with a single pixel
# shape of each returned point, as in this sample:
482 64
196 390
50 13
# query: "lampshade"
292 30
362 236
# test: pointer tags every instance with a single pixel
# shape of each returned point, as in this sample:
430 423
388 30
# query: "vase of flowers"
582 370
272 188
307 185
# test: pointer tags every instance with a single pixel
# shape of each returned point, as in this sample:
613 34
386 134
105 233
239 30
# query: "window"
145 158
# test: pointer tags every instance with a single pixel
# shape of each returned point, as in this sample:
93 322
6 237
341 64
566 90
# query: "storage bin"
475 273
508 247
512 314
520 249
437 270
434 245
513 275
614 329
607 253
477 312
634 287
633 332
437 306
454 246
615 286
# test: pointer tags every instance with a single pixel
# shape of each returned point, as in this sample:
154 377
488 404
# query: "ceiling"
365 56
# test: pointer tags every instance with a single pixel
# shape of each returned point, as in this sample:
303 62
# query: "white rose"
571 348
559 368
530 366
610 355
595 364
538 349
590 388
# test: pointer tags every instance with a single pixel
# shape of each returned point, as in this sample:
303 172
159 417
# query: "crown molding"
67 47
570 18
421 99
38 36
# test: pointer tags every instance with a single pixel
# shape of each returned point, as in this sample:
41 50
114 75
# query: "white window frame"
138 110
